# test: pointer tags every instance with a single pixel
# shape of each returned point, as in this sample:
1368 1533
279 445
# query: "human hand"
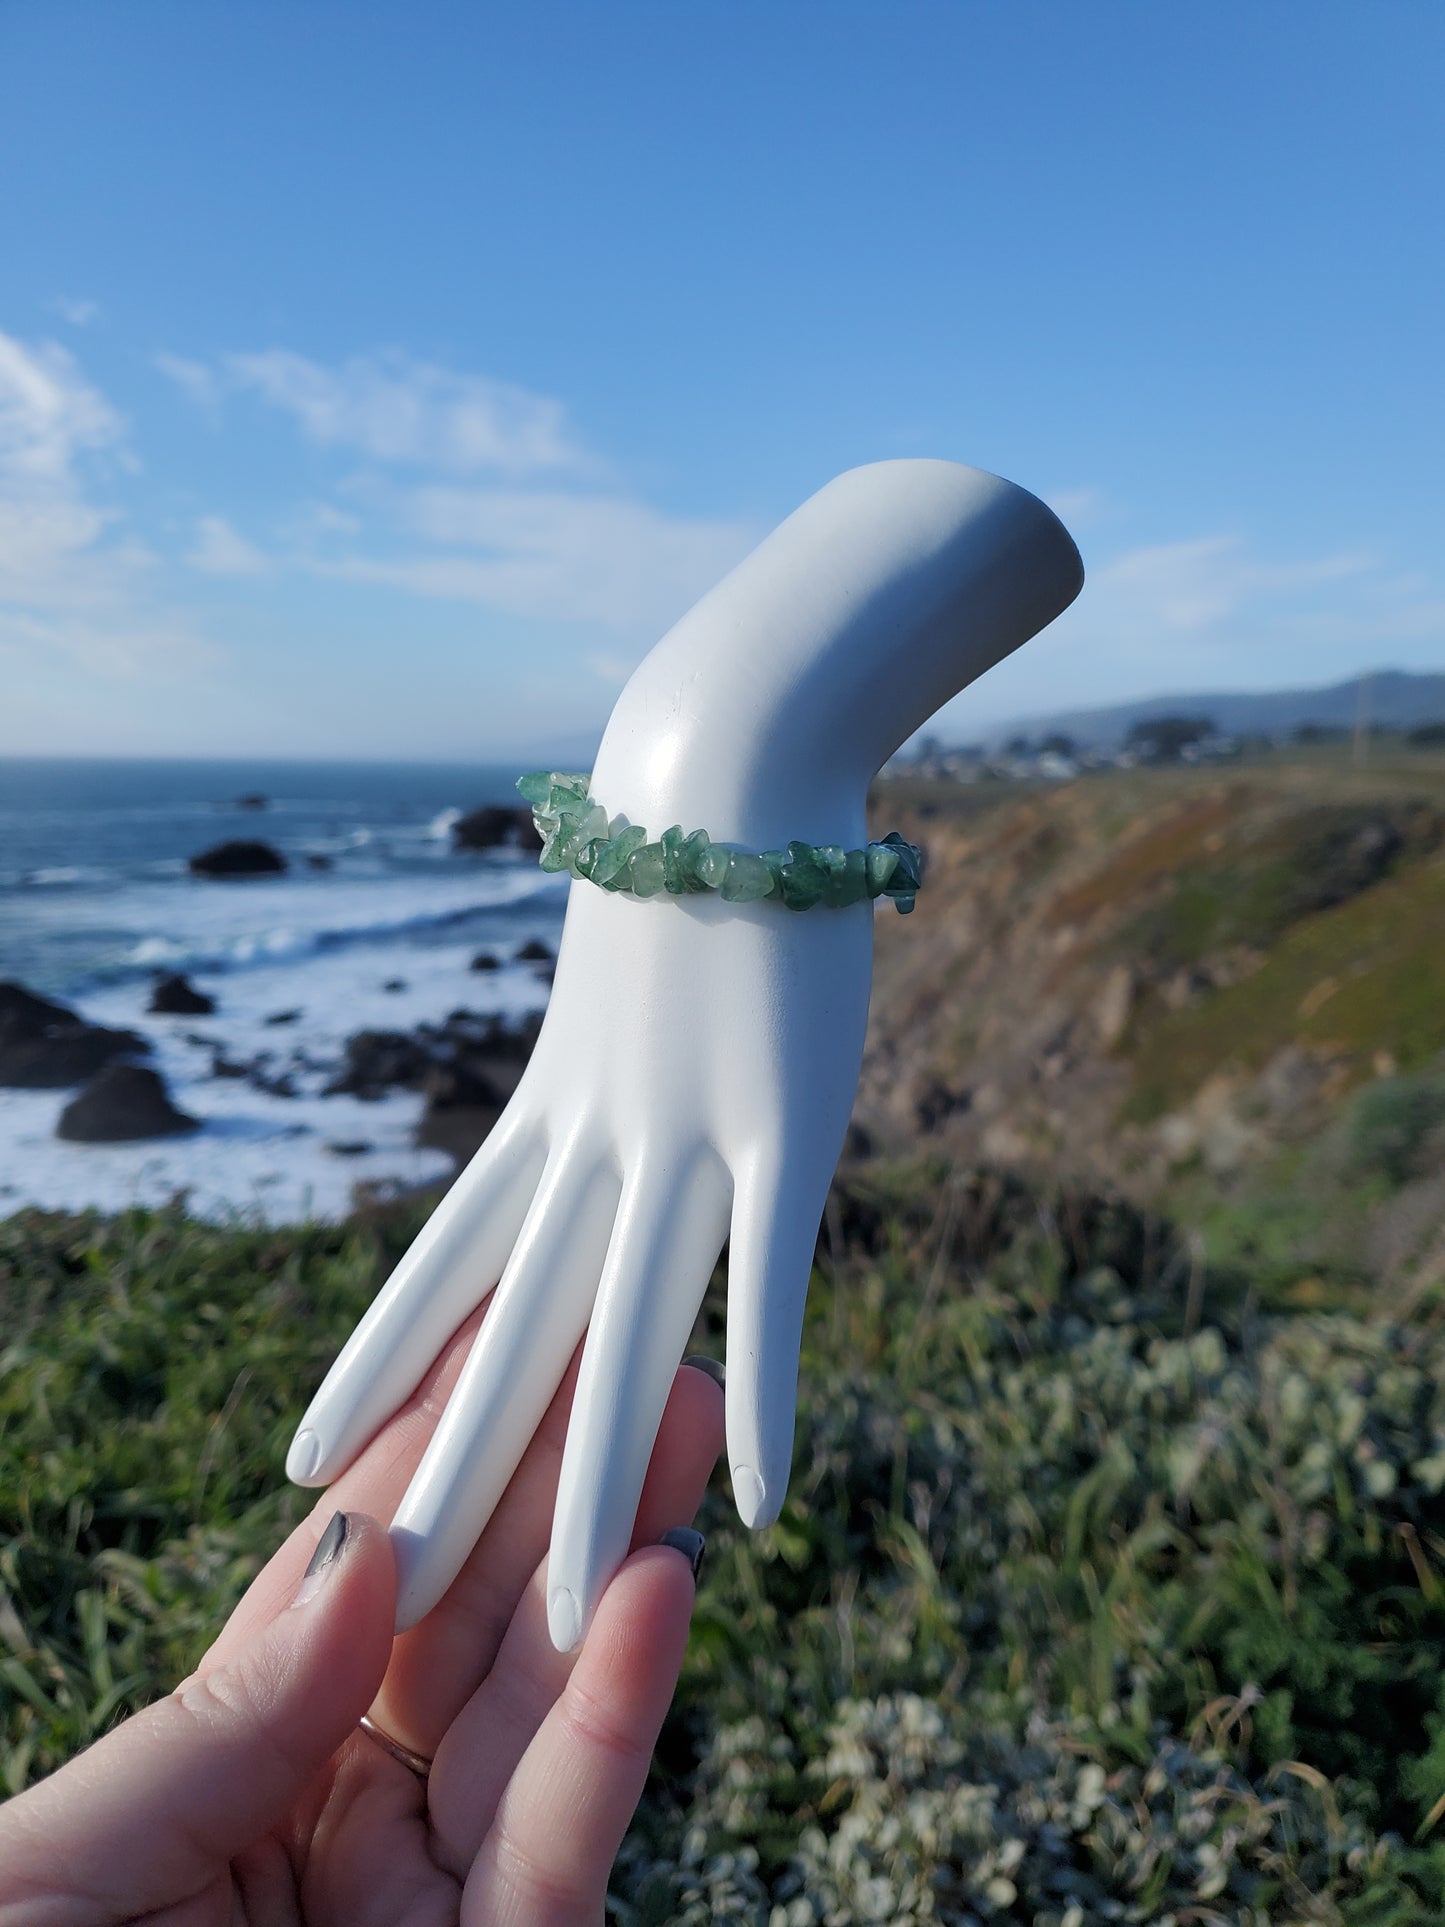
249 1795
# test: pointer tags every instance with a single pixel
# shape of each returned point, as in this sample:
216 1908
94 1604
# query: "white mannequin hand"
697 1065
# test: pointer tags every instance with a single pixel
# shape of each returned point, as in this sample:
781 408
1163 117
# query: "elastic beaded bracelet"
577 836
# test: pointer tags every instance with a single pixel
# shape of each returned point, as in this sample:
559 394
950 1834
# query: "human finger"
485 1741
153 1814
550 1849
373 1484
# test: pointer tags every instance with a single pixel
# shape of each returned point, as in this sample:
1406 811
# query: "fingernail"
689 1543
701 1363
323 1559
303 1458
564 1619
748 1494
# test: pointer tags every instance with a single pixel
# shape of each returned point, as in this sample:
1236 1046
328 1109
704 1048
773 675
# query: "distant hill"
575 751
1395 697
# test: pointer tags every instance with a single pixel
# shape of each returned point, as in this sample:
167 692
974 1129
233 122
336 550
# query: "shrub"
1391 1121
1074 1614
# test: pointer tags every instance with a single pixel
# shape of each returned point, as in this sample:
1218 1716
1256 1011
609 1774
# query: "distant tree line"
1055 745
1430 735
1164 739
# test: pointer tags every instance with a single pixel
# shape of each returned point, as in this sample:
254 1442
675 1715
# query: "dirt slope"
1167 979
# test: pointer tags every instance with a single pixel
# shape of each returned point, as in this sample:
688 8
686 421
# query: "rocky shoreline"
465 1066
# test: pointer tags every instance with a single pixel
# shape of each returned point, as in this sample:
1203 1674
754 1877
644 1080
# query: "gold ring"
416 1763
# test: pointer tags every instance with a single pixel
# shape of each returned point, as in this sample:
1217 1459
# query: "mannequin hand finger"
779 1204
532 1328
446 1274
669 1230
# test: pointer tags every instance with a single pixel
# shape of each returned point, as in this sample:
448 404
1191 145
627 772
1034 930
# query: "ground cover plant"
1104 1592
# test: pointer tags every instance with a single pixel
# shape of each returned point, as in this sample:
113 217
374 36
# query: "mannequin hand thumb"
153 1812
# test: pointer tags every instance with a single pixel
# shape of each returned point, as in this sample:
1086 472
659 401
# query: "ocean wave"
59 876
288 942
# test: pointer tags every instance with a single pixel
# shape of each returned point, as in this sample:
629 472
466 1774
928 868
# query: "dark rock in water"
318 862
124 1102
460 1085
535 951
479 1061
25 1014
174 997
45 1046
253 800
467 1032
349 1148
273 1083
383 1060
496 826
394 984
484 960
278 1017
457 1129
53 1063
467 1067
239 858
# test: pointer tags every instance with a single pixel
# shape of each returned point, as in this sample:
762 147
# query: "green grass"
1355 979
1100 1595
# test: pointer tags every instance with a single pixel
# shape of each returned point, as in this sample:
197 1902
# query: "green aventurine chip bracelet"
578 836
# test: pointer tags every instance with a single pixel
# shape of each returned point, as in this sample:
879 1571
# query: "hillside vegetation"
1111 1585
1219 991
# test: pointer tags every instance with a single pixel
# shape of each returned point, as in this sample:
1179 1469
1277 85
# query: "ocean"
97 900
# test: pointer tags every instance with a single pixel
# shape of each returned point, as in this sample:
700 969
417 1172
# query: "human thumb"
153 1813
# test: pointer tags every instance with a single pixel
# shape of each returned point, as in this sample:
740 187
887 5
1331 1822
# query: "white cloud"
48 415
579 558
71 580
610 669
220 550
574 554
1211 613
1076 507
394 409
318 521
1200 584
116 647
193 378
79 314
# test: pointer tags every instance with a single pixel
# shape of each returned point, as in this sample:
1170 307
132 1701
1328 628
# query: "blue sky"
383 380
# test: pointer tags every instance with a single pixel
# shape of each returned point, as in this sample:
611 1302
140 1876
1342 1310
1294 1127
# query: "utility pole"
1362 720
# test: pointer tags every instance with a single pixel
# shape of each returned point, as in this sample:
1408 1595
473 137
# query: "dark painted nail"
689 1543
323 1559
701 1363
328 1545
